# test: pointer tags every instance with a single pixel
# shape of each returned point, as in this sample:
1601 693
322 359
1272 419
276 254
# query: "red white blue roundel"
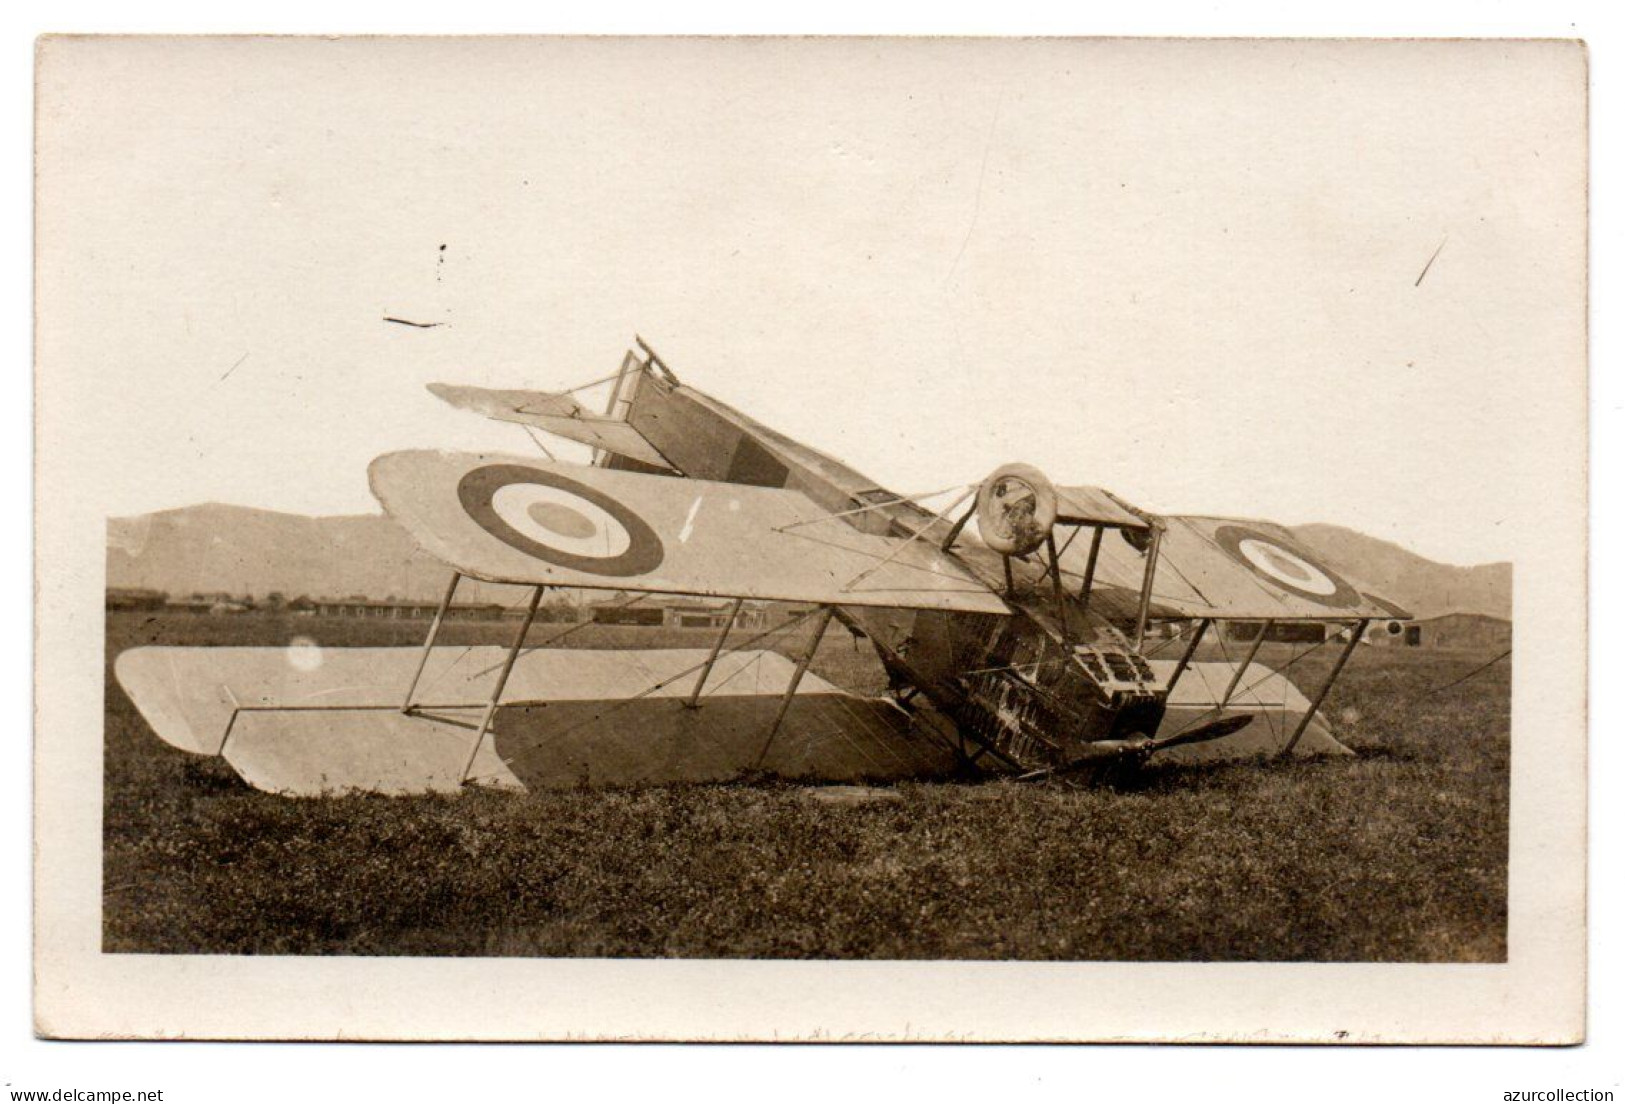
1286 568
559 520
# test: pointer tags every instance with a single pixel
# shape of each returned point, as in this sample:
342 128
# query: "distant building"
628 615
1451 630
1280 632
563 612
710 613
405 610
195 603
614 609
213 602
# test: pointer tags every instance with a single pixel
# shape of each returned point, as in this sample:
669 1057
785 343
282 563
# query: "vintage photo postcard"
811 539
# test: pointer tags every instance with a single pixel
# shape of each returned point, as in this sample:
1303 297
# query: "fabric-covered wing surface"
515 519
1230 568
569 716
558 414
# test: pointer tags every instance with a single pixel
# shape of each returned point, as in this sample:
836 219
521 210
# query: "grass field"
1398 855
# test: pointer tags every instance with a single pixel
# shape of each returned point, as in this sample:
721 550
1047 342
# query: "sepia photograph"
811 522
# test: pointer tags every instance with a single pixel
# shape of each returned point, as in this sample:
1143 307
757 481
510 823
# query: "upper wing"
558 414
510 519
1230 568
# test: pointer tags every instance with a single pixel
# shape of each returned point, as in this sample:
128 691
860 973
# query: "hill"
242 550
1423 586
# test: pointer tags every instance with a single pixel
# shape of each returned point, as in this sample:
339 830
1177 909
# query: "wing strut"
1145 594
1252 654
428 645
1190 650
236 708
693 701
958 526
1058 586
502 680
795 680
1089 572
1326 687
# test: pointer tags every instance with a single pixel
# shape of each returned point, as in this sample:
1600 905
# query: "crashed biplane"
1056 636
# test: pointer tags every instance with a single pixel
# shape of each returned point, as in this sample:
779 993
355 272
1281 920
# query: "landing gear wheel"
1016 507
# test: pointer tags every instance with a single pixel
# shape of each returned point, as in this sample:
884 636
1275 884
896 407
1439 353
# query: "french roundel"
1292 571
559 520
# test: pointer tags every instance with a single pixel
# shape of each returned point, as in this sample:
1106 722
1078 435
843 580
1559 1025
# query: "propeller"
1103 752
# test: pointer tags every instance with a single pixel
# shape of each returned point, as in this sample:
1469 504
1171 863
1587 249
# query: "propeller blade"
1213 730
1108 750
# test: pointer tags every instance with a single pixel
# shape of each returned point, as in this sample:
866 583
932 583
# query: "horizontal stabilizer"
560 415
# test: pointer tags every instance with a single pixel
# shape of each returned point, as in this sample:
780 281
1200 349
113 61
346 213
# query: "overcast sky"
1184 271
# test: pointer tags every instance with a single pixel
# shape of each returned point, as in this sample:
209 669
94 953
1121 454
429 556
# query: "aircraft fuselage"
1026 690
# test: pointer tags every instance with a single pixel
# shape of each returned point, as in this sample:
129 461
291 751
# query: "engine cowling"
1016 508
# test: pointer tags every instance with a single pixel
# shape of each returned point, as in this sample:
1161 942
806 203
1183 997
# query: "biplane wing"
510 519
556 413
1227 568
331 721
